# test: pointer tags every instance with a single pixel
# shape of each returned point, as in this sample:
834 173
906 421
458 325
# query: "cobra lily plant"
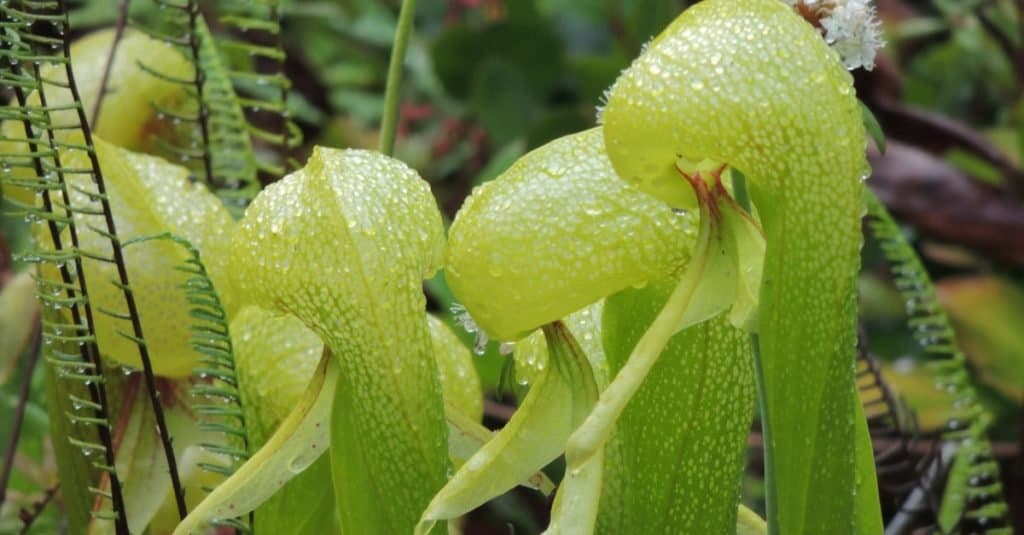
662 277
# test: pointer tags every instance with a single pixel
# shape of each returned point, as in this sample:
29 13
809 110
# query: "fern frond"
32 36
977 496
32 160
216 387
72 200
258 72
220 151
234 162
908 475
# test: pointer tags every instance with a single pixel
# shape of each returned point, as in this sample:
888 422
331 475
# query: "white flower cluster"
850 28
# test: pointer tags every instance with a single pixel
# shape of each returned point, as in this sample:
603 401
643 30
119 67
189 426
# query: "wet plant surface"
511 266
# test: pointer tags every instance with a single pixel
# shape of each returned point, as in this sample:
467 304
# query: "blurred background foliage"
489 80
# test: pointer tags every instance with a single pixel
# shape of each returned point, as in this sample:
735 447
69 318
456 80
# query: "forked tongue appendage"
725 271
535 435
301 438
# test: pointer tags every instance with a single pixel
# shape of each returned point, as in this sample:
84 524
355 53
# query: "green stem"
592 434
389 122
771 499
742 196
739 190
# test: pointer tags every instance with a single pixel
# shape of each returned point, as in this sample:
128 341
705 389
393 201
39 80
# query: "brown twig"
5 262
944 203
944 133
29 517
120 25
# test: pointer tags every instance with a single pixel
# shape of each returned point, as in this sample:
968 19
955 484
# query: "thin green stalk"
389 123
592 434
742 196
771 501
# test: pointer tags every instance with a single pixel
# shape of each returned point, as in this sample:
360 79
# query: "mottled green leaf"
556 232
752 85
132 91
275 358
680 445
344 244
559 399
459 382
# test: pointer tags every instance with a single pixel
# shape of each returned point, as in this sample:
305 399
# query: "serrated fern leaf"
63 188
216 388
32 37
218 148
255 59
973 500
907 475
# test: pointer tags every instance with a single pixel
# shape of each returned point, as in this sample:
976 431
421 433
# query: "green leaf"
530 47
276 356
643 18
325 244
460 384
754 86
141 465
466 437
678 452
503 101
868 512
78 468
954 500
967 419
559 399
749 523
148 196
872 127
17 306
706 288
75 470
299 441
500 161
558 211
132 91
303 505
